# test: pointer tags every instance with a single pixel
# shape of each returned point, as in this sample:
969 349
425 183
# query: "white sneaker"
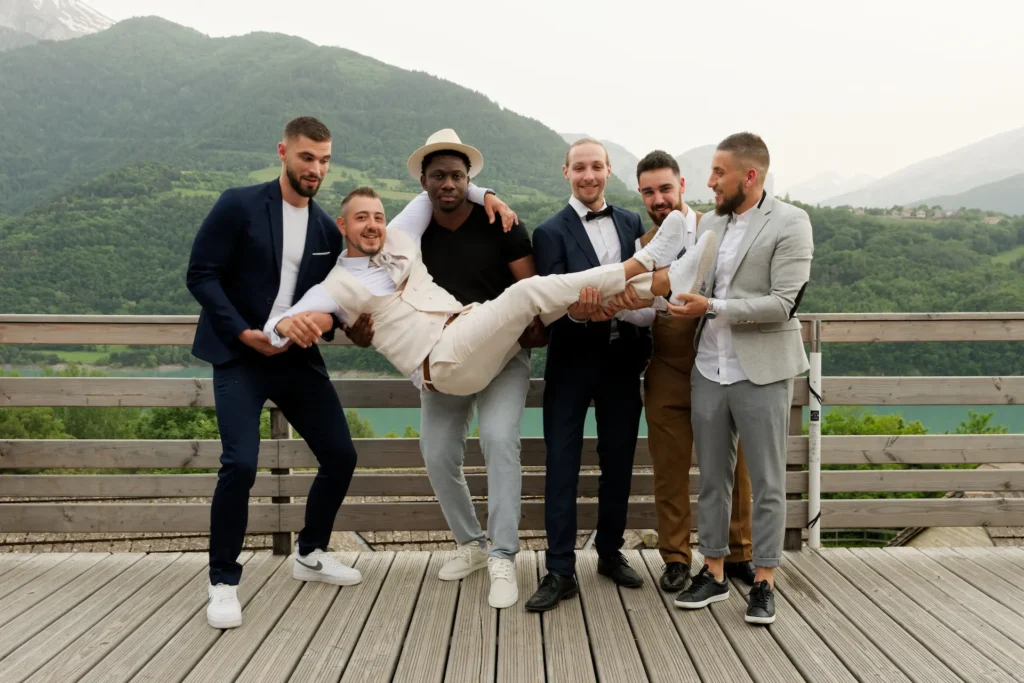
468 558
692 273
504 589
222 608
321 566
666 243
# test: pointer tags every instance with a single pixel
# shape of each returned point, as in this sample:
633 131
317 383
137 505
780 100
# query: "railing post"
814 442
280 429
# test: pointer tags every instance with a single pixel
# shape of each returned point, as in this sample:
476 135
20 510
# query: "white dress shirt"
604 237
295 221
380 274
716 354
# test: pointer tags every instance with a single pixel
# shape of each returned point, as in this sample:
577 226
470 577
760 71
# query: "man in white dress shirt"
750 348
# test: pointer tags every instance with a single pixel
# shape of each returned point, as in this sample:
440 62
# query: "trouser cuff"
714 552
767 562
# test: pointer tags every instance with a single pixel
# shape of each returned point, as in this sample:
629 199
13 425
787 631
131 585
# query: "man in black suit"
593 356
258 251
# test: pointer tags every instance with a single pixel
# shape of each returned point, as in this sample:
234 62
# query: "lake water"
936 419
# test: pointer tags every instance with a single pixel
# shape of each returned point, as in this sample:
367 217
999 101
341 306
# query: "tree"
978 423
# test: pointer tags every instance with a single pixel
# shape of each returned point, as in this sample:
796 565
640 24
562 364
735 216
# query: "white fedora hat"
446 139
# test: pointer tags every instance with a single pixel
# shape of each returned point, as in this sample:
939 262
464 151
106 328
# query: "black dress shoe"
675 577
553 589
618 570
761 609
744 571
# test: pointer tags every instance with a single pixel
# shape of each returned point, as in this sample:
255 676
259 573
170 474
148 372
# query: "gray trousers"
759 415
444 424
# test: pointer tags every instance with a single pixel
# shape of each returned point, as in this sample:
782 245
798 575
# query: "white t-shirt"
295 222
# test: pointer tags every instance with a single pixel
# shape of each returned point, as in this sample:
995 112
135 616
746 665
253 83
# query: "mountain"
827 184
983 162
147 89
695 167
11 39
1005 196
623 162
47 20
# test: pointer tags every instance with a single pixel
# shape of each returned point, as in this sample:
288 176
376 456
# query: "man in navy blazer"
592 356
259 249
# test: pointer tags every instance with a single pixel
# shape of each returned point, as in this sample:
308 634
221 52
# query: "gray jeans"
444 424
759 416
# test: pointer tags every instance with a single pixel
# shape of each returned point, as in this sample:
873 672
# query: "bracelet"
580 322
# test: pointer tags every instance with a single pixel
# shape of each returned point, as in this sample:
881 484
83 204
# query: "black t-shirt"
471 262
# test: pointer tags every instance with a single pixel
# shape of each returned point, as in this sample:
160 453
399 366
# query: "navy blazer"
234 270
561 245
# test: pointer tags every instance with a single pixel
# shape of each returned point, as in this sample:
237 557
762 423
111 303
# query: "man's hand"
587 305
629 300
361 333
688 305
493 205
255 339
300 329
534 336
603 314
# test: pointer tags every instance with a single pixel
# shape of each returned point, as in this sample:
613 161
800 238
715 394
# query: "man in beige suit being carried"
441 344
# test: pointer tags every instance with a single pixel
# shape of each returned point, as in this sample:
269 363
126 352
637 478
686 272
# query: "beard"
297 185
659 219
729 205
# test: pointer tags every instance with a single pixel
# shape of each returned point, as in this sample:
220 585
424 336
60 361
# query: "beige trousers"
476 345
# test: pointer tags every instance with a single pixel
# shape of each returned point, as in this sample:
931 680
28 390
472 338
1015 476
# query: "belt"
427 384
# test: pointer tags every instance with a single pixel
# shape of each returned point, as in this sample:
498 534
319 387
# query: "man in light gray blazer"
749 349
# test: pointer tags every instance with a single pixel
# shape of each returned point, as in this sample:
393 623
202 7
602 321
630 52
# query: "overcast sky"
853 87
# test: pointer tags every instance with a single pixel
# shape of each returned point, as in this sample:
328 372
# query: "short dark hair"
364 191
655 161
307 126
749 147
444 153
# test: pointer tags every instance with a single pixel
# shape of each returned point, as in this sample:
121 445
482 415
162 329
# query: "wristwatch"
711 312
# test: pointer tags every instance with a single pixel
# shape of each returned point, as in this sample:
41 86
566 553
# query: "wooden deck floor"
843 615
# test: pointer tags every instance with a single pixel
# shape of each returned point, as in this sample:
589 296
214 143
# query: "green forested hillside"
150 90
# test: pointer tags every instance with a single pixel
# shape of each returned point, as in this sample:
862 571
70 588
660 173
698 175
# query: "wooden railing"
282 455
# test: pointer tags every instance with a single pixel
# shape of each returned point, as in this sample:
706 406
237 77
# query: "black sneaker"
675 577
703 591
744 571
761 609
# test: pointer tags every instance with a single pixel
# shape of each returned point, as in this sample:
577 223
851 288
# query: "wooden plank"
988 582
663 653
876 391
853 648
808 653
37 651
709 650
380 643
425 652
233 650
29 571
960 593
949 330
83 655
902 512
1003 564
9 561
427 516
474 634
616 657
974 629
277 656
922 480
132 653
46 596
326 657
176 659
105 332
960 316
907 653
954 651
520 639
149 392
929 449
567 651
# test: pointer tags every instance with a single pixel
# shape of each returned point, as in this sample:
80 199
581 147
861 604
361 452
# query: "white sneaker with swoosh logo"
321 566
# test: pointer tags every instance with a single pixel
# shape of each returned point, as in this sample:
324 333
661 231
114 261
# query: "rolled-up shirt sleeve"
317 300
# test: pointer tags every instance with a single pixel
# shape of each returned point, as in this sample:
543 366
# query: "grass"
88 357
392 187
1009 257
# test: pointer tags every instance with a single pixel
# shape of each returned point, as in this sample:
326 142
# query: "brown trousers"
670 440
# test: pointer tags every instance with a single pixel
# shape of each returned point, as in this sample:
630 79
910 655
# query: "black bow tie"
606 211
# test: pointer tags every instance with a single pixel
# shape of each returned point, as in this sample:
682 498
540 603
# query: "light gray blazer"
772 271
